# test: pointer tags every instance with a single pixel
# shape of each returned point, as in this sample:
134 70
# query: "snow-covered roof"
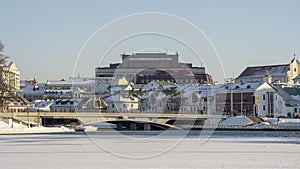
297 78
67 102
31 90
187 92
260 71
237 87
71 82
15 101
117 97
43 104
159 95
13 66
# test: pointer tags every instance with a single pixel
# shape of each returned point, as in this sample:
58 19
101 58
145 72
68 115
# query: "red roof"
260 71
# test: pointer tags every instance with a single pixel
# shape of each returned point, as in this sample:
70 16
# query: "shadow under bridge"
123 124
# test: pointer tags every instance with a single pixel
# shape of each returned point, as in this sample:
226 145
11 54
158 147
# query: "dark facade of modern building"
142 68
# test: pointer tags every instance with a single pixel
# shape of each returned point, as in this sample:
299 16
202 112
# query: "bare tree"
5 89
2 56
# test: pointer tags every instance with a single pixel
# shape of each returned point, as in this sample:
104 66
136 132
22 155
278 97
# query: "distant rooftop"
260 71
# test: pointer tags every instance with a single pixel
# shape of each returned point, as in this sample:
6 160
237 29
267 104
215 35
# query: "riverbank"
35 130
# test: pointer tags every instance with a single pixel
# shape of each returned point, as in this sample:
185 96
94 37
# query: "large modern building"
142 68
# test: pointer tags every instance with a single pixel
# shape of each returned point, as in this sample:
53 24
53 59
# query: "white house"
14 104
41 106
153 101
34 93
122 102
70 88
78 105
190 100
10 75
252 98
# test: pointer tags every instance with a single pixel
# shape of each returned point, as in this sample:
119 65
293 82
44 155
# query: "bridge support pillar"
147 126
119 126
132 126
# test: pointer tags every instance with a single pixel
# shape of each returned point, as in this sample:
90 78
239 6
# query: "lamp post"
231 96
206 97
28 119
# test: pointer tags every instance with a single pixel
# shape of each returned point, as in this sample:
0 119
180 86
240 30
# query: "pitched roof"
292 90
296 78
260 71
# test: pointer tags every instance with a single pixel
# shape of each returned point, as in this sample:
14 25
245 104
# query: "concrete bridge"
132 121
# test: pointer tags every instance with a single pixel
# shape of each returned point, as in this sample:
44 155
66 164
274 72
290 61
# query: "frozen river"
224 149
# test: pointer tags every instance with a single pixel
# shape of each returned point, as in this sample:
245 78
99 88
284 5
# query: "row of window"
13 110
173 80
64 110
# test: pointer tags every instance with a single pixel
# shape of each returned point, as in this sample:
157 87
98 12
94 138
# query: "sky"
46 38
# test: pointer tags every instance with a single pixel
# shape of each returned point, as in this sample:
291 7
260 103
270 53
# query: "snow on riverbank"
236 121
244 121
3 124
36 130
283 121
21 129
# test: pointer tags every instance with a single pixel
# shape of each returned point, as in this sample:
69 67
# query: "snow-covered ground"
3 124
236 121
35 130
21 129
111 151
244 121
283 121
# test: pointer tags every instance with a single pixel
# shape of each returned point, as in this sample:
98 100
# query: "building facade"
10 76
253 99
142 68
283 73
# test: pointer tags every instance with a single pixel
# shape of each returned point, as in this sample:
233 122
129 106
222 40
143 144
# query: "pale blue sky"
45 37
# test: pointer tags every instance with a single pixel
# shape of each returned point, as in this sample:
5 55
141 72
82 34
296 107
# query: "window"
264 97
194 98
264 107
